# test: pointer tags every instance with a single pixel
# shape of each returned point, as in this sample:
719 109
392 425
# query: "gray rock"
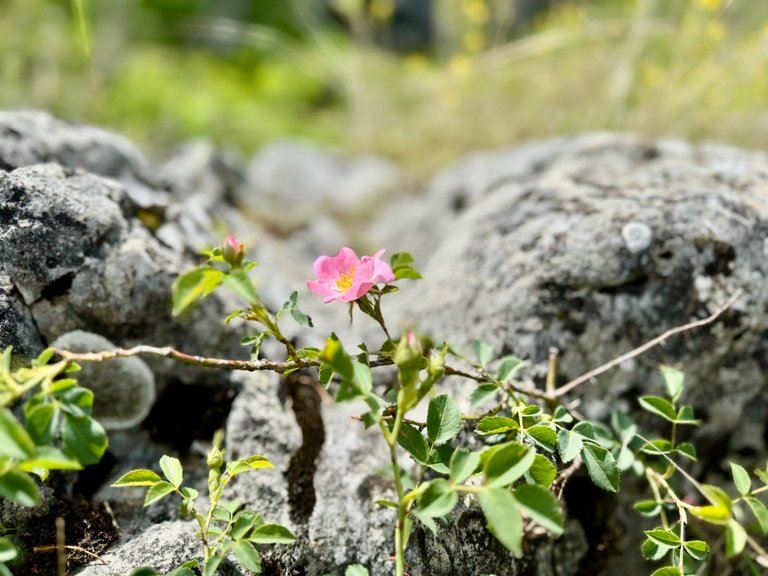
290 182
35 137
17 327
123 390
163 546
637 236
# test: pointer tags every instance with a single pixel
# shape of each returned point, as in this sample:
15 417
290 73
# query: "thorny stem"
401 539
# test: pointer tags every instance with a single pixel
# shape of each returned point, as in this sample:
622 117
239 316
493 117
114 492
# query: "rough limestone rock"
613 243
290 182
35 137
17 327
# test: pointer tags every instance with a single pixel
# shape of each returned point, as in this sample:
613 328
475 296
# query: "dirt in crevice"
300 475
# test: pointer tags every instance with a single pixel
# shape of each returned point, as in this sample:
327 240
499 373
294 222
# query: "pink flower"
347 278
233 251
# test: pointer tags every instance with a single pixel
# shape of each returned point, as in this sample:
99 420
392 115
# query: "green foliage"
223 528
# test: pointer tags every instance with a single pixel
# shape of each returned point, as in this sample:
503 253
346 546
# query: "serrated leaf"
659 406
172 470
673 381
236 467
15 442
77 401
406 272
49 458
244 522
193 285
741 479
504 518
544 436
481 394
541 505
507 464
712 514
248 555
658 446
697 549
601 467
562 416
686 449
438 499
463 464
717 496
759 510
240 283
84 438
483 352
272 534
508 367
356 570
440 458
653 551
569 444
413 442
158 491
19 488
496 425
40 423
667 571
543 471
663 537
443 419
735 538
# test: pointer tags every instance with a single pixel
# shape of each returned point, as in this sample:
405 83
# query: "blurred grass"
693 69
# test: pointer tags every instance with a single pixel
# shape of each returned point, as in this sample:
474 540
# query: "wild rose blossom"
345 277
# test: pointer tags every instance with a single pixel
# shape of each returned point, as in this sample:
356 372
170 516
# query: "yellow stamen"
344 282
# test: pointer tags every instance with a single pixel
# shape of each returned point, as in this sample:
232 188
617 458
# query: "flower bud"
409 355
233 251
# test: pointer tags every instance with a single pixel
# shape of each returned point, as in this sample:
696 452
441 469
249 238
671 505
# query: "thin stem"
565 388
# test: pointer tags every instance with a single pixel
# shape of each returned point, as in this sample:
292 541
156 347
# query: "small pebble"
637 236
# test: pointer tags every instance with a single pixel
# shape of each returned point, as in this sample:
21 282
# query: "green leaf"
387 503
437 499
443 419
212 565
244 521
247 464
544 436
172 470
248 555
659 406
741 479
84 438
496 425
40 423
483 352
254 342
569 444
601 467
481 394
543 471
240 283
182 571
735 538
507 464
49 458
141 477
400 259
697 549
648 508
712 514
667 571
673 382
508 367
406 272
14 439
158 491
463 464
19 488
658 446
653 551
504 518
663 537
411 439
541 505
357 387
7 550
193 285
685 416
356 570
759 510
717 496
440 458
561 415
686 449
77 401
272 534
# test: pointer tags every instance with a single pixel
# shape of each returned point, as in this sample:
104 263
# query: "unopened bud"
233 251
409 355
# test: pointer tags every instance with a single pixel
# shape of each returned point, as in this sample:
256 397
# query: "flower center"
344 282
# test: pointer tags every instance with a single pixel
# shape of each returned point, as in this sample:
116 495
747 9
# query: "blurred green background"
420 81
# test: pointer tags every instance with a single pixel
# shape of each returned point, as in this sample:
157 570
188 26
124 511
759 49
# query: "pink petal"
380 270
328 293
329 268
356 291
